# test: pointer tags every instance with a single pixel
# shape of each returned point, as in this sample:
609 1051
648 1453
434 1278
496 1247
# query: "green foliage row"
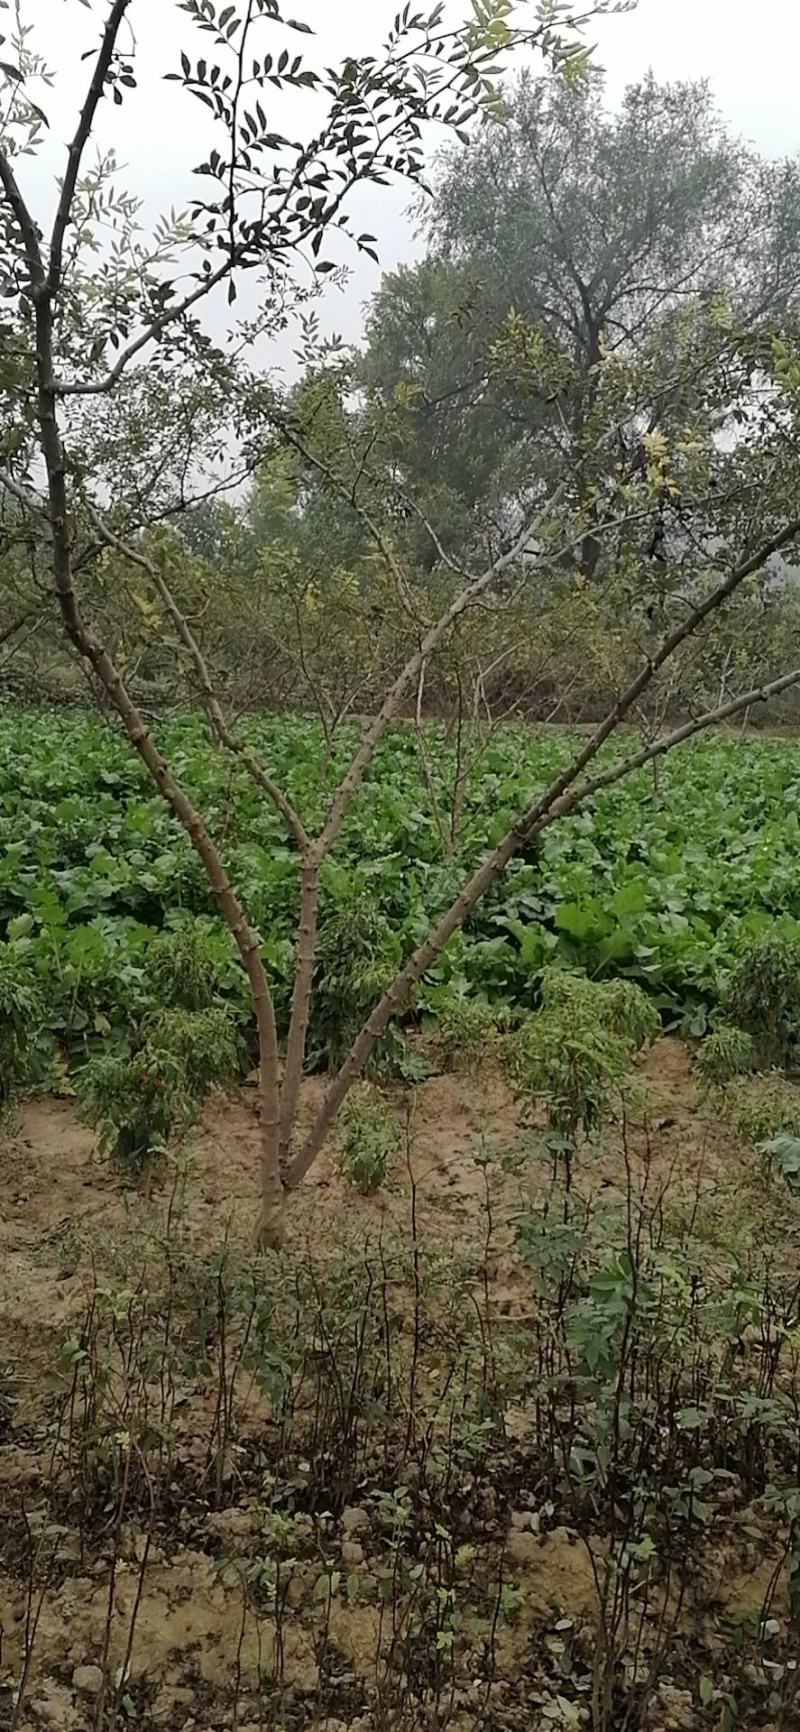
106 919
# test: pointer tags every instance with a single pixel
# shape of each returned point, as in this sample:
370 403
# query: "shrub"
574 1066
21 1023
762 996
369 1137
357 955
140 1099
726 1054
183 967
629 1012
619 1005
575 1053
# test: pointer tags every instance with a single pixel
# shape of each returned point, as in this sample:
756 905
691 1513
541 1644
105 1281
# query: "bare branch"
353 777
9 631
28 231
154 329
658 748
75 154
214 709
31 501
560 798
365 517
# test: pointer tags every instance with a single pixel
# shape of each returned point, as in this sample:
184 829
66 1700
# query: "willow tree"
119 409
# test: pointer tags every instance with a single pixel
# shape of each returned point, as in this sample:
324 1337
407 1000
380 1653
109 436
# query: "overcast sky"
750 55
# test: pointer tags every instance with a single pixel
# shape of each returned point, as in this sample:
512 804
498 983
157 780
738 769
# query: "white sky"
749 51
749 54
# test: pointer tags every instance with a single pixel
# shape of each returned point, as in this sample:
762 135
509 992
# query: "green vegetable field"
660 884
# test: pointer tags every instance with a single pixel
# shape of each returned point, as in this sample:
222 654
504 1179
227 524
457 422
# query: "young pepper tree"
85 323
97 338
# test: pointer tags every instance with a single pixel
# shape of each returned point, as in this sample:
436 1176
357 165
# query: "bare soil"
200 1652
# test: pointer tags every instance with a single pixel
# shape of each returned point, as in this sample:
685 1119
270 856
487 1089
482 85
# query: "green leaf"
631 898
571 918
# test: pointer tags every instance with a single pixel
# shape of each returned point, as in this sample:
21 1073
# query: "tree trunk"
270 1223
301 1000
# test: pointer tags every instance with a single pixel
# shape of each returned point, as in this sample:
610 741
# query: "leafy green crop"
783 1153
93 870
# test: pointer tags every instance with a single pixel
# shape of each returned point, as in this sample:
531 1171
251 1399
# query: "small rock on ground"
355 1521
88 1680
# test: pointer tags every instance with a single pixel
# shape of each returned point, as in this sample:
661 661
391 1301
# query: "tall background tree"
608 236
